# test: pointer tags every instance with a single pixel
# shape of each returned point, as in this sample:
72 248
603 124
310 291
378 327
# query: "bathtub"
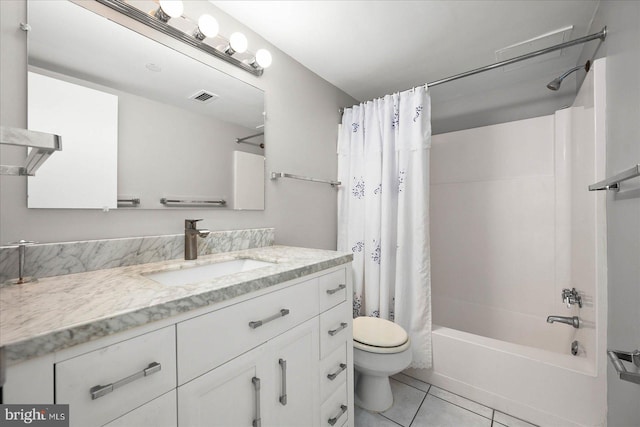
541 386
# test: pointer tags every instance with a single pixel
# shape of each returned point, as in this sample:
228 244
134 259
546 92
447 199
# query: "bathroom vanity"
269 346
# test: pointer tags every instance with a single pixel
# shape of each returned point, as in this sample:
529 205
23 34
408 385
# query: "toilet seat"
376 335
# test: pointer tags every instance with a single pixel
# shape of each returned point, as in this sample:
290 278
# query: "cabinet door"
227 396
292 395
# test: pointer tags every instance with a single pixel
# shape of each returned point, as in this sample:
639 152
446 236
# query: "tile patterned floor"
418 404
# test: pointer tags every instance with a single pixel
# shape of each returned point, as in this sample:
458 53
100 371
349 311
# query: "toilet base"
373 393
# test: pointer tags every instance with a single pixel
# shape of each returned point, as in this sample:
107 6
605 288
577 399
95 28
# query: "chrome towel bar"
133 201
42 146
629 356
167 202
276 175
613 183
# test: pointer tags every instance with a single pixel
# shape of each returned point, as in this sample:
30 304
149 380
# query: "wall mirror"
177 119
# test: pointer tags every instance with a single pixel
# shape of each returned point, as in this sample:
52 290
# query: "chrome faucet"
191 234
22 244
573 321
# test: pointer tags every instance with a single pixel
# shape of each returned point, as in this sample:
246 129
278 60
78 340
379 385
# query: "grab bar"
613 183
629 356
276 175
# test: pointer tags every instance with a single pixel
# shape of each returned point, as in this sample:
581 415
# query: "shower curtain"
383 211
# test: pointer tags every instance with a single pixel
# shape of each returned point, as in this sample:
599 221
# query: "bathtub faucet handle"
570 297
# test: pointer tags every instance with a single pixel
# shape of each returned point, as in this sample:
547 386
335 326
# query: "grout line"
402 382
477 403
421 403
466 409
393 421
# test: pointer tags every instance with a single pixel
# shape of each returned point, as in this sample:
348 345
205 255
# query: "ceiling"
372 48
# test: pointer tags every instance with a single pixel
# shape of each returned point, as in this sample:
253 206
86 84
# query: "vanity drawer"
160 412
333 289
333 371
335 328
212 339
106 383
334 412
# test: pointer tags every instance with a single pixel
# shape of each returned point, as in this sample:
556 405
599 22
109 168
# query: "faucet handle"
190 224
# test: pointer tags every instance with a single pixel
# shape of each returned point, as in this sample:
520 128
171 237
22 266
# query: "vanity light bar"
189 39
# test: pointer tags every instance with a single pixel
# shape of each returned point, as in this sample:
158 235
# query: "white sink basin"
206 272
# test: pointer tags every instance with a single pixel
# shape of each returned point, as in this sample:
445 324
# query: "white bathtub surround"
513 223
383 217
55 259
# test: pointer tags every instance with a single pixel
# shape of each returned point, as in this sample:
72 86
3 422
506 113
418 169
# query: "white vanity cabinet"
280 356
272 385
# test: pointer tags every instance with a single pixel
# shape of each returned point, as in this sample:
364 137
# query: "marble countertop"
59 312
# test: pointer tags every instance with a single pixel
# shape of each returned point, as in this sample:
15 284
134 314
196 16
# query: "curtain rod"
602 34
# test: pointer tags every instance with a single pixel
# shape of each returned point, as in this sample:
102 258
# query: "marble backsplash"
56 259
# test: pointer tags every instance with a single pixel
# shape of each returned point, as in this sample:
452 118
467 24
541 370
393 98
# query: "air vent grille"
204 96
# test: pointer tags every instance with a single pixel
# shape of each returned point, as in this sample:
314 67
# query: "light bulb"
263 58
238 43
207 27
169 9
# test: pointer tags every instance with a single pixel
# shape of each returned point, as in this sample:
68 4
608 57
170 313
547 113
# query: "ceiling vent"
540 42
204 96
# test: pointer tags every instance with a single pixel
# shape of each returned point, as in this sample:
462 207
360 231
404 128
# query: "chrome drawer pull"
283 367
333 291
334 420
343 325
257 323
333 376
257 422
101 390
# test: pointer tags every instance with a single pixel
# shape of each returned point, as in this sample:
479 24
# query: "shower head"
555 84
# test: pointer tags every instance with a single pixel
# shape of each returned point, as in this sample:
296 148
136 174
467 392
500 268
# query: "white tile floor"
418 404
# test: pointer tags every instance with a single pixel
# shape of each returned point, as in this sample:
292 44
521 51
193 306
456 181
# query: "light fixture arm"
165 28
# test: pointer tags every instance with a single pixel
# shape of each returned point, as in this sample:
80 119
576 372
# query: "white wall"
622 50
301 129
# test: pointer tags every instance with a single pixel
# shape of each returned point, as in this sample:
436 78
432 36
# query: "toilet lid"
373 331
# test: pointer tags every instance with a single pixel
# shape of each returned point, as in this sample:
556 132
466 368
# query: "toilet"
380 348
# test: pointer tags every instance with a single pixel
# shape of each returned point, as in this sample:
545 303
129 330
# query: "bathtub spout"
573 321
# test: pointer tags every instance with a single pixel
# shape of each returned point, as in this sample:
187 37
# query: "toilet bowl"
380 348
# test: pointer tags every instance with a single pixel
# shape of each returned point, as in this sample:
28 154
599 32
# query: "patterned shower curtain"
383 211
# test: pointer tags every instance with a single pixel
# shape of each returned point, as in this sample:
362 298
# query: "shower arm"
563 76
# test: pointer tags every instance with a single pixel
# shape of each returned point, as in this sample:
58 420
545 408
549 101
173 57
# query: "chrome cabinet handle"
257 421
101 390
333 376
343 325
334 290
629 356
283 367
257 323
334 420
